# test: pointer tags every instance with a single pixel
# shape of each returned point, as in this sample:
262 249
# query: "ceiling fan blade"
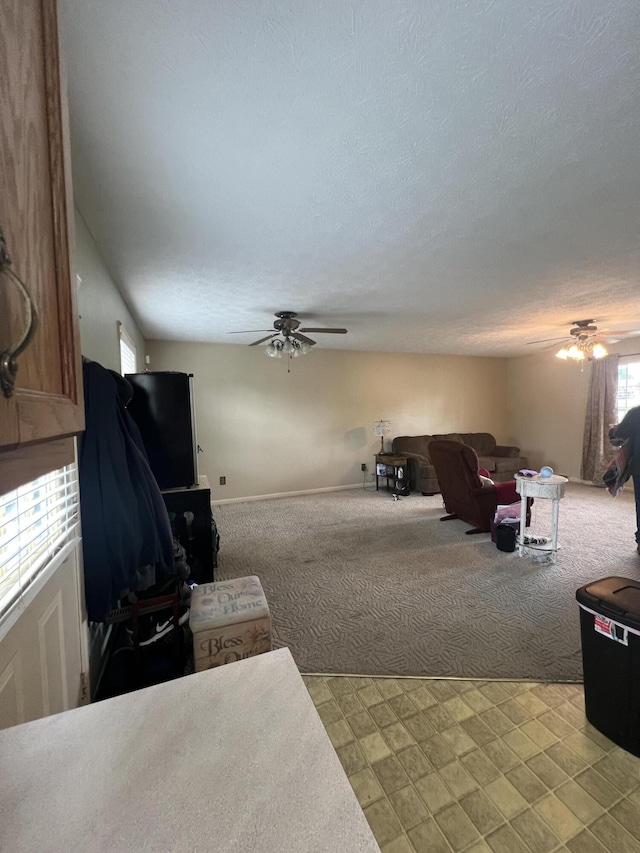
249 330
546 340
262 340
621 332
302 338
326 331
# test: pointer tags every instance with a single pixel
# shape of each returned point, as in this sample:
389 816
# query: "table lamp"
382 428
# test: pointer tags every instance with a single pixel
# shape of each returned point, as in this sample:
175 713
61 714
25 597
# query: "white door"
42 646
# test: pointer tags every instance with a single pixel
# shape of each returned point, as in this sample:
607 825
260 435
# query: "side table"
395 468
551 488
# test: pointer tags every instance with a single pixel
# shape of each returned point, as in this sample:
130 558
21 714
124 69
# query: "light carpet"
360 583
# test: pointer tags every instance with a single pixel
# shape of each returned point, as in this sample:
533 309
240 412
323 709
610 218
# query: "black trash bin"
610 631
506 535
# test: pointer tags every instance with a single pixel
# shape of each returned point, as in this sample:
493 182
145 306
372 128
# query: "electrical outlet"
223 481
363 467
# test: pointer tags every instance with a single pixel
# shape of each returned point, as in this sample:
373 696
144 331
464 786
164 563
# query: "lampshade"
576 353
381 428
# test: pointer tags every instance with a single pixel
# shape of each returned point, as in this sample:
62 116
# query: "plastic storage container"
610 630
230 621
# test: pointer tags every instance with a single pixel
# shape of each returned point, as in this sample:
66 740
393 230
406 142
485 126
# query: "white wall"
547 405
270 432
101 306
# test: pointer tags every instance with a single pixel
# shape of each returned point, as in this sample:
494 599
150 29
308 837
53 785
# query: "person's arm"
628 426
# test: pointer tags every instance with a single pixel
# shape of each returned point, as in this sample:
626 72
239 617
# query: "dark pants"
636 489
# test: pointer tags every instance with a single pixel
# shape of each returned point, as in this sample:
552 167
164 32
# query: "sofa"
501 461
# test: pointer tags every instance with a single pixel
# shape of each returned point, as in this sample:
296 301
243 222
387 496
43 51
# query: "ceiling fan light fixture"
582 350
288 346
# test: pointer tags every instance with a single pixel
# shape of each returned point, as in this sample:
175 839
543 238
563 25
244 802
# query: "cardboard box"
230 621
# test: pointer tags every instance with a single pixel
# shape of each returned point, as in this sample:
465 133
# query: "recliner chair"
466 496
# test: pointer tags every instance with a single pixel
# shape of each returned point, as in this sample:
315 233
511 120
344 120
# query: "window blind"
36 521
128 353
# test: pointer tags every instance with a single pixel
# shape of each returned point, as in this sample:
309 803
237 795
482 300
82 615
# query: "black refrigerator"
163 408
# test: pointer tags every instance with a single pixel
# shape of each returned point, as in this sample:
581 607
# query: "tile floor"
474 766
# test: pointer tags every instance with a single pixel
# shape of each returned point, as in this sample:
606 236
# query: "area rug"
360 583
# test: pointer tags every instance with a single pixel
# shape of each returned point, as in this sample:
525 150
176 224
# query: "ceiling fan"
584 340
288 327
581 330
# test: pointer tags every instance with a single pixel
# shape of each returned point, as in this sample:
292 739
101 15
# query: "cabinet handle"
8 358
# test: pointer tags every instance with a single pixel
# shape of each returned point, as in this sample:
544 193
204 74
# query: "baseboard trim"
584 482
285 494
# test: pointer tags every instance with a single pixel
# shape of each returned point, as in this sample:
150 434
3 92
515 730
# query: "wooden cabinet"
36 219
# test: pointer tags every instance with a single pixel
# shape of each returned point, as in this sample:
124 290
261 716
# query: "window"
36 521
628 384
128 360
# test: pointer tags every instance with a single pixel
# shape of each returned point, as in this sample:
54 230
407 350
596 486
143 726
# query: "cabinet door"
41 653
35 217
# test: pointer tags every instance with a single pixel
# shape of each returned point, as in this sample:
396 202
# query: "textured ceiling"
439 176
